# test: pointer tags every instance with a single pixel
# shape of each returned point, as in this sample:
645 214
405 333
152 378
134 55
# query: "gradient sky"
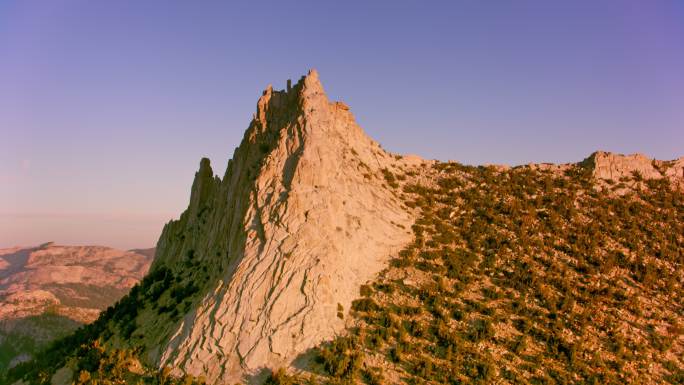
106 107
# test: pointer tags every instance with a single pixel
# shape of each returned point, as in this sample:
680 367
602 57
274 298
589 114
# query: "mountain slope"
540 274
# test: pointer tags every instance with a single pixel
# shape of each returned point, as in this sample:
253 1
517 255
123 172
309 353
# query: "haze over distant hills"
49 290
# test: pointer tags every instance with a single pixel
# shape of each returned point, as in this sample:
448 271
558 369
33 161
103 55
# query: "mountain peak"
307 96
312 84
302 218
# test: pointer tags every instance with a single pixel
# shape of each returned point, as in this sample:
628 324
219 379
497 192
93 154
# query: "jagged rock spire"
300 220
203 186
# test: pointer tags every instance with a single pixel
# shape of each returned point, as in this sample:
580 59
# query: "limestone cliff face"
301 218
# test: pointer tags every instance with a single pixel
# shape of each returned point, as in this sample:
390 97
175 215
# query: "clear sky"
106 107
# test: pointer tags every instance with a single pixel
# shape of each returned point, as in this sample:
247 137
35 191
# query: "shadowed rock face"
301 218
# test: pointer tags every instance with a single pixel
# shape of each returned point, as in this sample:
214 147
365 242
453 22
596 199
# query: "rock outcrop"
672 170
301 218
610 166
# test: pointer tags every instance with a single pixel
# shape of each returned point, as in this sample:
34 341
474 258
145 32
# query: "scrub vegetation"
514 276
524 276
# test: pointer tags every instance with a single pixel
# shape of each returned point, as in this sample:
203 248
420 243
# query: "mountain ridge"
297 251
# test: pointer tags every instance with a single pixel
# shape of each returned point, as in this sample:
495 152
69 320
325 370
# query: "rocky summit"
319 257
300 219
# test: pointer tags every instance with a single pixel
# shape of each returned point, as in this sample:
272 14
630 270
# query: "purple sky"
107 106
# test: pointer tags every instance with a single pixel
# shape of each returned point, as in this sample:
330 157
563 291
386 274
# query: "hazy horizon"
107 108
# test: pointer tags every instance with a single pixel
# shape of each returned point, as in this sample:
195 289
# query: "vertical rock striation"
301 218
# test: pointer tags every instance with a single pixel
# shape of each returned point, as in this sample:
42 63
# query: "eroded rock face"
609 167
301 218
673 170
606 165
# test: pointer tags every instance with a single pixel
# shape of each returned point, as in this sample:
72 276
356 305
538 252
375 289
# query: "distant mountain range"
49 290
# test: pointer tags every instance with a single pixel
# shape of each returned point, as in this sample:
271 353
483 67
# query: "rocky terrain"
48 291
617 167
319 257
526 275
